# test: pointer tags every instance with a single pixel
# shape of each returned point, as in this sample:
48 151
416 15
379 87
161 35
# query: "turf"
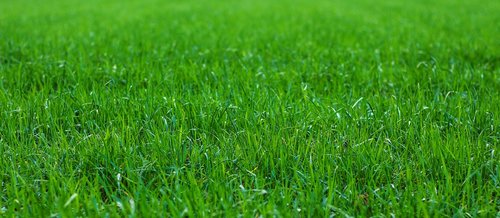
230 108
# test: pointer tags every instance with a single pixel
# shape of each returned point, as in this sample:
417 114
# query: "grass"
254 108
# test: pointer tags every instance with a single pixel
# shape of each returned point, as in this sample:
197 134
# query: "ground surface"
289 107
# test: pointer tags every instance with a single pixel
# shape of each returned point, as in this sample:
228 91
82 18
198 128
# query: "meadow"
287 108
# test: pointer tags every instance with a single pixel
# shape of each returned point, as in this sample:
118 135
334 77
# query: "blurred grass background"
287 107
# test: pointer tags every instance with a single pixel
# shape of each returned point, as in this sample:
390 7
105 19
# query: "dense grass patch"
285 107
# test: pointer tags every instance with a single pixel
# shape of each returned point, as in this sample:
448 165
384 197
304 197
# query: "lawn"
292 108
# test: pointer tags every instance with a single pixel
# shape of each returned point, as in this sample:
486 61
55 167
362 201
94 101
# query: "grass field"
292 108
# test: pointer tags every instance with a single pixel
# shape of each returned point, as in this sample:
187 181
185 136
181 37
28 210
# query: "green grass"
223 108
